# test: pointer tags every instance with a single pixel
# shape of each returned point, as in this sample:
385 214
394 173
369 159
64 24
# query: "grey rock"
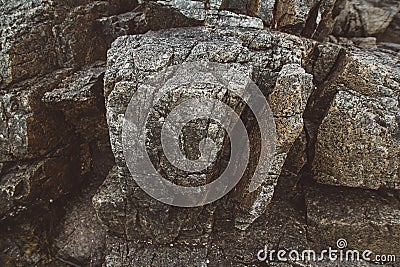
144 254
392 33
39 182
32 146
82 237
47 147
348 116
80 98
347 18
23 126
362 18
336 110
227 18
147 16
23 59
266 12
56 107
212 13
289 84
308 18
392 48
288 101
125 209
226 245
191 9
297 155
41 36
292 15
367 220
362 144
367 42
237 6
262 9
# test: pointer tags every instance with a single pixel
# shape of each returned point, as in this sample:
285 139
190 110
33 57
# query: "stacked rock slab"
226 245
47 142
366 219
272 60
315 19
54 138
359 136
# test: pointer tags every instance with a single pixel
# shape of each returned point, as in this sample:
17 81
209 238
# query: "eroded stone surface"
359 136
365 17
366 219
82 237
132 58
54 137
226 245
41 36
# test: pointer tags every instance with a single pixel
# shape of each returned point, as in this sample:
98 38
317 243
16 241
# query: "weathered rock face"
359 135
132 58
54 136
392 33
35 153
365 17
67 196
82 237
147 219
222 13
80 98
366 219
40 36
51 125
227 246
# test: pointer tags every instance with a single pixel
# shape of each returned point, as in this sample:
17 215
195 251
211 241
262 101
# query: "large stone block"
273 60
358 142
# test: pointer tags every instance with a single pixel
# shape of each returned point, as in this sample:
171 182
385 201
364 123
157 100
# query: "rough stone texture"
51 141
367 42
297 156
40 36
304 17
23 122
336 109
82 237
348 18
51 145
365 17
392 33
80 98
287 101
226 18
212 13
366 219
226 246
359 136
147 16
35 153
263 9
48 144
39 180
310 18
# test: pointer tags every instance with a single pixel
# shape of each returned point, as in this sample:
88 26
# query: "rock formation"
329 70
